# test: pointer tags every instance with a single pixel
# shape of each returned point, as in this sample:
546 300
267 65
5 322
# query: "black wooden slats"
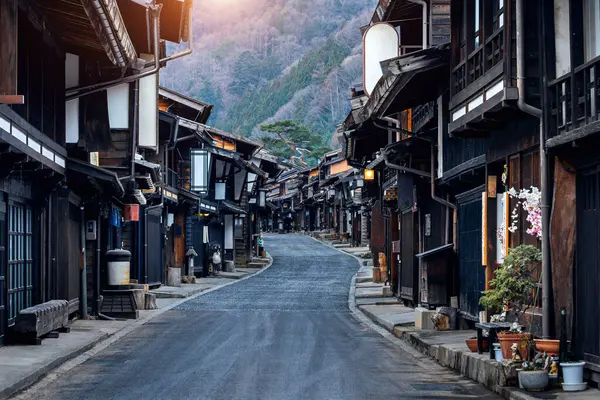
587 268
154 252
2 270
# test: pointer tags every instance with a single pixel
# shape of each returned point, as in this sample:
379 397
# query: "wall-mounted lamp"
369 175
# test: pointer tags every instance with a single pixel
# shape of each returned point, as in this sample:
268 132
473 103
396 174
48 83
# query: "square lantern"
199 169
369 175
262 198
220 190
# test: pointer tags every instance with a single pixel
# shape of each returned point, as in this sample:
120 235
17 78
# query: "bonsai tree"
513 283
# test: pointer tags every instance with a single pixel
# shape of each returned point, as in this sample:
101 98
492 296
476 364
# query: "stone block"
229 266
150 301
423 318
189 279
387 291
174 277
138 295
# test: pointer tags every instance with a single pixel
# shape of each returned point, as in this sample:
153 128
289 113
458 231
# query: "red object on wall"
131 212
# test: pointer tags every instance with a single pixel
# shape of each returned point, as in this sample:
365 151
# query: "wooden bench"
493 328
42 320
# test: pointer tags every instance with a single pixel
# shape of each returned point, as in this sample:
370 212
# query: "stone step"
361 279
377 301
256 264
373 292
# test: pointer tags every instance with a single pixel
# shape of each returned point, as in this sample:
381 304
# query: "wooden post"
8 52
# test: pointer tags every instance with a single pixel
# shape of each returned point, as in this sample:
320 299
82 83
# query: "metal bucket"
118 266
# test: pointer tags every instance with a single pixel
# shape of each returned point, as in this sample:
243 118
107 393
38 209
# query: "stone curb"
66 363
379 321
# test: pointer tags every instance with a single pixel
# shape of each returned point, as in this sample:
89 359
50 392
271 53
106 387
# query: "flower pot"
472 344
572 372
498 352
547 345
506 341
533 381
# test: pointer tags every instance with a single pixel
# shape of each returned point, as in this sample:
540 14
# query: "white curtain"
592 29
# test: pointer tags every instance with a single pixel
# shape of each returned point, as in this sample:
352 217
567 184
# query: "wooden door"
471 271
408 273
3 320
587 268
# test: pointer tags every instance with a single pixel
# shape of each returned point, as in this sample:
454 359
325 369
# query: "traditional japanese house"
572 118
218 174
392 133
112 125
181 206
50 203
311 207
494 125
41 217
287 197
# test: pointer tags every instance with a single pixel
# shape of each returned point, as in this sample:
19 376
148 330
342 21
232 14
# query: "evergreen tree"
289 139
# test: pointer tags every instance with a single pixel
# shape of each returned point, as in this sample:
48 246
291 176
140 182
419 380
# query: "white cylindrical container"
118 265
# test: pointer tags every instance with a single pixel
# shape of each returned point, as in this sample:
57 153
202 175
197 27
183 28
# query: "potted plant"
533 375
472 344
511 288
572 372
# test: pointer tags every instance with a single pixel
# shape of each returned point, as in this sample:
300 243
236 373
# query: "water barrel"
118 263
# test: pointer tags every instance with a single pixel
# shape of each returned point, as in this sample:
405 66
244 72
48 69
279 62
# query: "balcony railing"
171 178
480 61
575 99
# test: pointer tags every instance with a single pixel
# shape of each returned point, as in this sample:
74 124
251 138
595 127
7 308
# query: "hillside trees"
288 139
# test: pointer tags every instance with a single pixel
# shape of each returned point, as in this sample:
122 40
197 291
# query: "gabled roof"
81 25
184 106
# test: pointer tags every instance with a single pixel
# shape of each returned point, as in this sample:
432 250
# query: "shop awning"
81 172
228 207
189 197
152 168
206 206
437 250
251 167
375 163
410 80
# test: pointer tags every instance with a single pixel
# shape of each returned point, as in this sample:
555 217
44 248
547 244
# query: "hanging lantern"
131 212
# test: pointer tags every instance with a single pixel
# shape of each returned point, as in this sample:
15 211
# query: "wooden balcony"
480 87
574 104
481 61
20 141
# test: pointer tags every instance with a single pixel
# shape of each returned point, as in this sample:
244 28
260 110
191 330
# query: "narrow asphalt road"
284 334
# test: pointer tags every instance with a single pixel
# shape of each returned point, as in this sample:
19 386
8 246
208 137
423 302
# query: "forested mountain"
261 61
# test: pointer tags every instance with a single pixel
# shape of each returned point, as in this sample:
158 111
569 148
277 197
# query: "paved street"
284 334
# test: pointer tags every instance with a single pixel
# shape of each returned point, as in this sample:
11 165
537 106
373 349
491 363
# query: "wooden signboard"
484 224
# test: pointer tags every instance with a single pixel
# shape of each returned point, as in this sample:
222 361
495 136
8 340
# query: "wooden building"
572 120
57 198
216 179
